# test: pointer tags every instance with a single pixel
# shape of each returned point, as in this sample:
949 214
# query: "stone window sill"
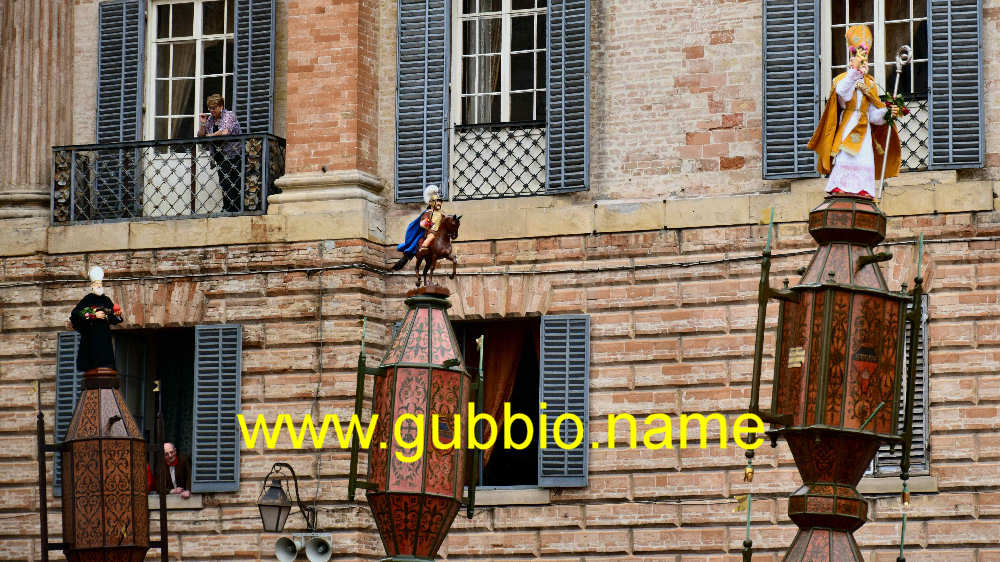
175 502
871 485
501 496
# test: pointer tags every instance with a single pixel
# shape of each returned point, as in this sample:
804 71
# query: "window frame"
458 56
149 80
878 64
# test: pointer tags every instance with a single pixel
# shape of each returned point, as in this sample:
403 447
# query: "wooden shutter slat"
120 58
791 89
567 130
564 385
215 460
421 98
955 116
253 78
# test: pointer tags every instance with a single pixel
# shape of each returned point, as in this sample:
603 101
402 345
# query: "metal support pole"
43 492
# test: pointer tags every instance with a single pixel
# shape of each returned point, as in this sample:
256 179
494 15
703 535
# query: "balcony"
165 179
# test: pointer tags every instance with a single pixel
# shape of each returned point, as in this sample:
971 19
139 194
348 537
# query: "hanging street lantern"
415 491
838 373
105 510
274 506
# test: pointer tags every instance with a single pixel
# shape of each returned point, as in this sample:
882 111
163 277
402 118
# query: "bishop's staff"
903 57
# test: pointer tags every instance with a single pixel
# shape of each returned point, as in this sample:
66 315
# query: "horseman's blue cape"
414 233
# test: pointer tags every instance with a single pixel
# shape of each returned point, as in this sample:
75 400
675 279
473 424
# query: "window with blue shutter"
568 114
215 460
68 388
521 110
956 84
887 461
564 387
791 87
254 78
421 98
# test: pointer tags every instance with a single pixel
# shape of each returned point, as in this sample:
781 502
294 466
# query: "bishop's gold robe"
830 138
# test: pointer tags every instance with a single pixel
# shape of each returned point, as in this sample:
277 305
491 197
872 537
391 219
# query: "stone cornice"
352 210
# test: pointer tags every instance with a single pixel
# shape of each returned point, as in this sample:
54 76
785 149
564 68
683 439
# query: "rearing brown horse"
439 248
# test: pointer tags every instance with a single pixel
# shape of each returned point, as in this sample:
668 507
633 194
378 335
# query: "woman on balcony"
220 121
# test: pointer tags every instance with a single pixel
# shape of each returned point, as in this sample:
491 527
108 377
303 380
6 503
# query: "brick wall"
673 338
676 98
331 85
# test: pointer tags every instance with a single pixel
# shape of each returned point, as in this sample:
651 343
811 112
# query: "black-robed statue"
92 318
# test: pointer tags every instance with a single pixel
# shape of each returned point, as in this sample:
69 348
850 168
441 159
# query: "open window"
529 361
193 374
510 363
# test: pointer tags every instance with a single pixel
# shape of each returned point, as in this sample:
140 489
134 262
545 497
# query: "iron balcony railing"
496 160
913 134
165 179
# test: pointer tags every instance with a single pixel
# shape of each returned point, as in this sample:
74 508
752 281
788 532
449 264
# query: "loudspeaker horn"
318 549
285 549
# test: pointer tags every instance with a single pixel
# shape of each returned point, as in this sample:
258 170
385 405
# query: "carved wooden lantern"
105 514
414 503
838 373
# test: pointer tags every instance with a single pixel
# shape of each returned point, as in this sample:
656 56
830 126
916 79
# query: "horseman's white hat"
431 193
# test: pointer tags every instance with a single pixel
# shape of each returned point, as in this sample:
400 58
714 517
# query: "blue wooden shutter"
791 87
120 57
120 53
215 463
253 82
421 98
68 387
567 120
887 462
564 386
956 84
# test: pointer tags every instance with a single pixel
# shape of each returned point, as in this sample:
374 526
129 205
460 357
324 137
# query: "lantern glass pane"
274 507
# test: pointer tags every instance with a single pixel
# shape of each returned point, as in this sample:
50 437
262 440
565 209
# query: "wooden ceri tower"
414 503
105 510
838 373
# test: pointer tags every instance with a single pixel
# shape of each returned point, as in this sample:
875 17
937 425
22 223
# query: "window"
552 366
198 374
511 376
500 56
498 98
191 48
893 24
802 42
492 97
155 368
190 54
157 62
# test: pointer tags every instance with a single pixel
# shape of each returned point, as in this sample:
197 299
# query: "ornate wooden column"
36 59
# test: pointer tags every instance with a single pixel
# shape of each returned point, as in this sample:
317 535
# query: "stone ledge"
512 496
359 213
175 502
894 485
914 193
22 236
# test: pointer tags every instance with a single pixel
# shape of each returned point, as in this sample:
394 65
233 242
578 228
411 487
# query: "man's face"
169 452
215 110
437 205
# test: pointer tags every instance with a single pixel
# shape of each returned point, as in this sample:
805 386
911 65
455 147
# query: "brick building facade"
659 248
